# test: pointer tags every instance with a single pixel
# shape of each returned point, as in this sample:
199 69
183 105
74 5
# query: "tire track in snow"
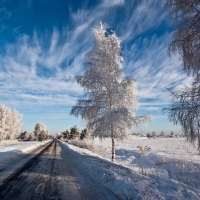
54 175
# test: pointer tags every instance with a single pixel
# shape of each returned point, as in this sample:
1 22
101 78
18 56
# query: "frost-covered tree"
185 107
153 134
10 123
148 135
39 127
42 135
109 100
59 135
24 135
14 124
186 37
74 133
84 134
30 138
4 119
162 134
185 111
66 134
172 134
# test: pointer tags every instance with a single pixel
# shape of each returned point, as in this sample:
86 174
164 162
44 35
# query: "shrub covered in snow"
143 150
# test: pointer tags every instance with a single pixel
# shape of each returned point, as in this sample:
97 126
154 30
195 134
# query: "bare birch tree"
186 38
109 100
185 108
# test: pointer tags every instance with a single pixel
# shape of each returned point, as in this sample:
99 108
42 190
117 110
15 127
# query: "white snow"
173 153
141 177
132 176
11 149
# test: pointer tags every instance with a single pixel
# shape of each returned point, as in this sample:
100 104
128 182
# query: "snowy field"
128 152
11 149
127 183
167 157
171 158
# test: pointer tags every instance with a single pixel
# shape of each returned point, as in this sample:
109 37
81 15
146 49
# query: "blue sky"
42 49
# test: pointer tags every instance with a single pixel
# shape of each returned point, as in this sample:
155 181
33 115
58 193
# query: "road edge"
19 169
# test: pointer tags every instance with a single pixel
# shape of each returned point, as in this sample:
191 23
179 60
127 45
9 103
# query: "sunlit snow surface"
141 177
127 152
10 149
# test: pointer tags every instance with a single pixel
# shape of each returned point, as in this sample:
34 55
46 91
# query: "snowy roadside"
19 157
4 142
126 183
13 149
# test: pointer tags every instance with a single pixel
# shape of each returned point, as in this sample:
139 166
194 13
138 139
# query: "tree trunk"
113 143
113 149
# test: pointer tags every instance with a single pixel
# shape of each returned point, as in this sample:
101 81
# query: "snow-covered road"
54 175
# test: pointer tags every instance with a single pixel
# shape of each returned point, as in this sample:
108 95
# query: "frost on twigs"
185 107
110 100
185 111
143 150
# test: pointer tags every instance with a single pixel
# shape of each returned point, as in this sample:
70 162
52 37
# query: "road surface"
54 175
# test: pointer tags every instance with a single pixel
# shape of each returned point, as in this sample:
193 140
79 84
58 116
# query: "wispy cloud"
22 69
154 72
108 3
39 69
4 15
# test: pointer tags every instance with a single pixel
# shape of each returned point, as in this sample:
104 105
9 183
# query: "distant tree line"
73 134
40 133
161 134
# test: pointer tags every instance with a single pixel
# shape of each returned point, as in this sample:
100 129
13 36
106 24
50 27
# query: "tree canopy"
185 107
110 99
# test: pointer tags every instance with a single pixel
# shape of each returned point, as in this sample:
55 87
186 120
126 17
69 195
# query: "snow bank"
126 183
3 142
13 149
